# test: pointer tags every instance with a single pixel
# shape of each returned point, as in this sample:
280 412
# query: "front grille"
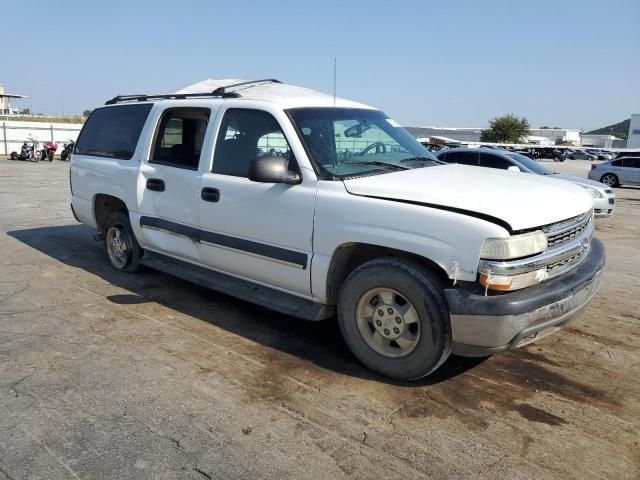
556 267
562 232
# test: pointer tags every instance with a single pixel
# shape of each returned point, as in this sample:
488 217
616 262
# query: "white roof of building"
286 96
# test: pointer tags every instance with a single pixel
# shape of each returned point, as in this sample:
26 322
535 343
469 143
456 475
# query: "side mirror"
513 168
272 170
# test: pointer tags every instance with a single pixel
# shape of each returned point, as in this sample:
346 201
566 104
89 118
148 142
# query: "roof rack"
220 92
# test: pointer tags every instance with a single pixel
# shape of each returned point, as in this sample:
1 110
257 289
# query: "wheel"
14 156
394 318
610 180
121 246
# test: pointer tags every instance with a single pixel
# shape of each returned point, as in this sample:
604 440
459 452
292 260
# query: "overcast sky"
573 64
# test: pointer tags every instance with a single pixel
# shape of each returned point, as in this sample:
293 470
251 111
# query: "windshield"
532 165
344 142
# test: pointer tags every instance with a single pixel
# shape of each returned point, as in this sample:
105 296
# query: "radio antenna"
335 75
335 153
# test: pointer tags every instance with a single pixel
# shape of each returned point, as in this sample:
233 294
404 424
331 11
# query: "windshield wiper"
379 164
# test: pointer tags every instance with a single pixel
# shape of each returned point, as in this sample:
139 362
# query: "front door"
169 183
259 231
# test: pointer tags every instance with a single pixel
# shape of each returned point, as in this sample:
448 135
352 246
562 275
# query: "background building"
633 139
538 136
5 102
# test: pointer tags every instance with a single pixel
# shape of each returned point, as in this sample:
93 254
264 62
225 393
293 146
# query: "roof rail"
220 92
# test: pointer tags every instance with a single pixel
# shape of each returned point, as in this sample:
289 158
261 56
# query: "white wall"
13 134
633 139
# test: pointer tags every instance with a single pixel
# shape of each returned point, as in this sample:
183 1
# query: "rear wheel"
121 246
610 180
394 318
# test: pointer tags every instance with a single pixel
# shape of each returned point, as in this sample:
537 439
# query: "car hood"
522 201
584 181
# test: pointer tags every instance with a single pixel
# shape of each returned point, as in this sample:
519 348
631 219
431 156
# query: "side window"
465 158
179 137
631 162
244 136
113 132
494 161
442 157
617 163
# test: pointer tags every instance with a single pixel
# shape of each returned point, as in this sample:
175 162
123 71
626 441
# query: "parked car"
604 199
577 154
621 171
601 155
317 207
628 154
556 154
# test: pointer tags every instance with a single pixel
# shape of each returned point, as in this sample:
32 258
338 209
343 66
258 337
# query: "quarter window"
244 136
113 132
179 138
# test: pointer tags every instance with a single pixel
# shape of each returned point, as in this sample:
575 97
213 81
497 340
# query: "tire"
120 244
610 180
14 156
422 323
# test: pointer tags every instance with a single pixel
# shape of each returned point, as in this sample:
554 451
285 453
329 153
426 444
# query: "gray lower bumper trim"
480 335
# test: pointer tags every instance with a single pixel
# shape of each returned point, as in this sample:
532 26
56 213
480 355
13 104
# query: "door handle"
210 194
155 184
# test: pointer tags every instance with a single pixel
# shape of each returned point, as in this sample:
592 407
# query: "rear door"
169 182
259 231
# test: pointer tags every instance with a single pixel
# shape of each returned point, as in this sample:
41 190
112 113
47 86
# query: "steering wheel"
379 146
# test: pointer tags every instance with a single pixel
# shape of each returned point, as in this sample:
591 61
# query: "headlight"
595 193
516 246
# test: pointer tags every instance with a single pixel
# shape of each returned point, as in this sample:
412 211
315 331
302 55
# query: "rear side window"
617 163
631 162
113 132
179 138
494 161
465 158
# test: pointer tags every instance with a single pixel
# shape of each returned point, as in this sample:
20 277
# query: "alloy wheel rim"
118 246
388 322
608 180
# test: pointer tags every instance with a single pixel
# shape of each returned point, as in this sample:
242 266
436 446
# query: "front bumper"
482 325
604 207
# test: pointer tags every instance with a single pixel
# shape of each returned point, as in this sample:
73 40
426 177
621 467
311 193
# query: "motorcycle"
67 150
28 152
48 151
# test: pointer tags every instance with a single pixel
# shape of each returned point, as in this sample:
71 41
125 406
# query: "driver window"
244 136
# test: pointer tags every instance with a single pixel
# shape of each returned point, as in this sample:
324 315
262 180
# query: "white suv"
316 207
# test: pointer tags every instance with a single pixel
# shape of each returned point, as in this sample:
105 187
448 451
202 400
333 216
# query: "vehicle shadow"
317 342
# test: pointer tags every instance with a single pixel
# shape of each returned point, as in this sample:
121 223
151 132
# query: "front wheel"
394 318
121 246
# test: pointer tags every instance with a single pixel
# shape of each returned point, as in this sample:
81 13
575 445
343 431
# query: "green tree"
86 113
506 129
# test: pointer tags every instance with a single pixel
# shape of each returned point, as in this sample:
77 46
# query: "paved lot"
107 375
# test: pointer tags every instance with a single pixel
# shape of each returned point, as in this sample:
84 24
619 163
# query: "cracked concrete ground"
109 375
